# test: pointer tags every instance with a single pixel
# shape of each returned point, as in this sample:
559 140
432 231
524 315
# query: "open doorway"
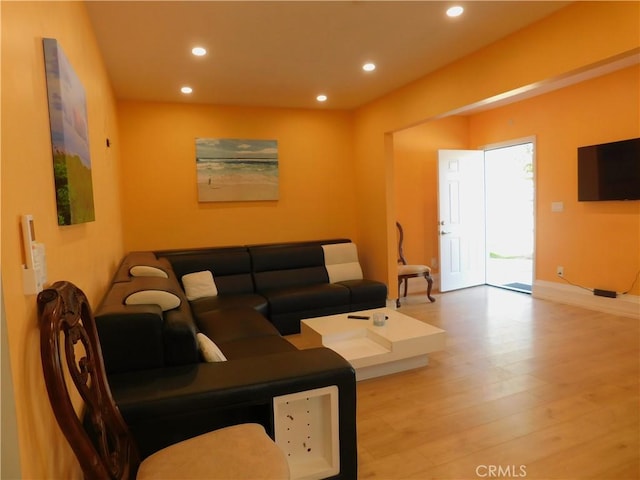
509 207
486 216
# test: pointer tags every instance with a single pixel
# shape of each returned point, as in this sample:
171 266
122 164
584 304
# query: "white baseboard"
624 305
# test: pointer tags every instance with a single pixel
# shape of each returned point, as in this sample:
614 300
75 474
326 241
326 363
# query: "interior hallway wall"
416 185
85 254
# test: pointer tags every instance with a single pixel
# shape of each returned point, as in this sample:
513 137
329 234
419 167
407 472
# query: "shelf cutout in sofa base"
306 429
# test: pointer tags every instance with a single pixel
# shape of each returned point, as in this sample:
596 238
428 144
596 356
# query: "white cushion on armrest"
147 271
209 350
165 300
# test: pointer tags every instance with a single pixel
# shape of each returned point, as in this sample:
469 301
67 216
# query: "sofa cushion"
284 266
234 324
294 278
366 294
210 304
209 350
308 297
199 285
165 300
231 265
256 347
288 323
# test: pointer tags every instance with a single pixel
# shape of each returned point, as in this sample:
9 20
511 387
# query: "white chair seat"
413 269
238 452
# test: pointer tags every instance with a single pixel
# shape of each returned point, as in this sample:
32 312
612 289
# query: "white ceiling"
283 54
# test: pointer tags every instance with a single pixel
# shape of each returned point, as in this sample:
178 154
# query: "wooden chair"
405 272
69 340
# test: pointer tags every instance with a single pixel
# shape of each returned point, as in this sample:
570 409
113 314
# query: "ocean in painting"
236 170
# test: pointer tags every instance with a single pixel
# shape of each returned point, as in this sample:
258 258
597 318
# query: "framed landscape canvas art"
236 169
69 138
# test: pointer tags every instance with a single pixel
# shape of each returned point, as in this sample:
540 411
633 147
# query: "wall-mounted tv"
609 171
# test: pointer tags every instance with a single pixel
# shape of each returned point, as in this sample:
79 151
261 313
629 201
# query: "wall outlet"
560 271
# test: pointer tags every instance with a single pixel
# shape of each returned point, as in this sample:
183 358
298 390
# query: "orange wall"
597 243
416 183
161 208
85 254
551 48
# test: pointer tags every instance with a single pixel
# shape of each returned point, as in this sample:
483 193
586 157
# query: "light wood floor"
525 388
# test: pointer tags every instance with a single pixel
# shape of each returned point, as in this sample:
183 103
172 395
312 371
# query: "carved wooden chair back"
72 361
401 259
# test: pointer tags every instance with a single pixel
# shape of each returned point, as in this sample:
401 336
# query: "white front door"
462 216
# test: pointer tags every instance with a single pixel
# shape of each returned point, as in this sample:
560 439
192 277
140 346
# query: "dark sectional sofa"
149 330
285 282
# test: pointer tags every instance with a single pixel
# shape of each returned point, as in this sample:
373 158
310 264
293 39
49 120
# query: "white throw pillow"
165 300
147 271
209 350
199 284
341 262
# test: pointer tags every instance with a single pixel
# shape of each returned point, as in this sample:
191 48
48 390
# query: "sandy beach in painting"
223 180
239 193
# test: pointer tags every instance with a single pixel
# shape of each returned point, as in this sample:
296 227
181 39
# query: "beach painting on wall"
236 170
69 138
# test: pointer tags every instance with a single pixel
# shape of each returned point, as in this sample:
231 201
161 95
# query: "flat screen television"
609 171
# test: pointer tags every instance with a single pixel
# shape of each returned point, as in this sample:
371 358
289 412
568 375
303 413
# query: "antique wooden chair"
405 272
69 340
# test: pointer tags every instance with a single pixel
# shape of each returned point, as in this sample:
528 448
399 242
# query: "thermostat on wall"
34 270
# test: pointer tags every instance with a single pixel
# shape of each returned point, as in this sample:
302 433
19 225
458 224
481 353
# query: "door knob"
442 232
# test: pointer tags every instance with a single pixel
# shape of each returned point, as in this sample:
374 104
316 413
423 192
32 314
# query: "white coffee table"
401 344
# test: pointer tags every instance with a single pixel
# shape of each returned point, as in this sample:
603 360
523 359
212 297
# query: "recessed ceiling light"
321 98
455 11
199 51
186 90
369 67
